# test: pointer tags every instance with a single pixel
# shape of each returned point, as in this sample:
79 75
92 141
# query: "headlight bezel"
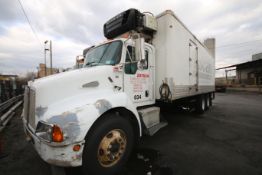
45 131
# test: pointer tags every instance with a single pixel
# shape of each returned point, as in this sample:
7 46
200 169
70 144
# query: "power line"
29 23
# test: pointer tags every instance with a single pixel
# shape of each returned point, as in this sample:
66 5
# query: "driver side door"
139 77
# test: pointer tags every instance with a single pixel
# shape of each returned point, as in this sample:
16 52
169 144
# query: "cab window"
131 65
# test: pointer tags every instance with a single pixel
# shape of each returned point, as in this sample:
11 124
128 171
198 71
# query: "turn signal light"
76 147
57 134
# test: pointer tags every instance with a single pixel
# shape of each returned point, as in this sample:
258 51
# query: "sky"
74 25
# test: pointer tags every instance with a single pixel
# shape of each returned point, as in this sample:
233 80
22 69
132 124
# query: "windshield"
106 54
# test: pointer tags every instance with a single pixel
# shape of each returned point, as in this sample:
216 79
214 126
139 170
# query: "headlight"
49 132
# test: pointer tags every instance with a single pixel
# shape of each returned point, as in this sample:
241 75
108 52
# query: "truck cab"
132 75
61 110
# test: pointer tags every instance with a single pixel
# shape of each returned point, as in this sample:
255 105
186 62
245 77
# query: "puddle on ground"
144 161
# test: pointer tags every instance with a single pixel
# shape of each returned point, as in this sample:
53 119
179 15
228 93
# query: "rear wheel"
208 99
108 146
200 104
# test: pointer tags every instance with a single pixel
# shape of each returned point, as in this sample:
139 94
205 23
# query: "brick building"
45 71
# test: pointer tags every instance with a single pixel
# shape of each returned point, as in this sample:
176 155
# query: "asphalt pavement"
226 139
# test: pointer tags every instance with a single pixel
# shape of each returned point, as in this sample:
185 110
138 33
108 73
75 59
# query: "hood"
52 89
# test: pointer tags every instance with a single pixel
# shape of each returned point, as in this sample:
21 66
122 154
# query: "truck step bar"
152 130
150 118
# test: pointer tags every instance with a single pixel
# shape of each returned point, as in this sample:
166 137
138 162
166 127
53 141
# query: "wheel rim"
112 147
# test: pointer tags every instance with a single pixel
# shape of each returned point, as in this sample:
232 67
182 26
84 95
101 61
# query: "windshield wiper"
91 63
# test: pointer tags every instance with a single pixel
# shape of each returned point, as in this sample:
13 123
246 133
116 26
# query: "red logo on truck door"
142 75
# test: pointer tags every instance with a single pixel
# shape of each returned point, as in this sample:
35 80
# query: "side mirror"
139 47
142 64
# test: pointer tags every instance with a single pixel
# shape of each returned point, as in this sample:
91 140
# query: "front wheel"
108 146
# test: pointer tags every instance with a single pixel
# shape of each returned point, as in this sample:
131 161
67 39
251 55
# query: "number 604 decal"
137 97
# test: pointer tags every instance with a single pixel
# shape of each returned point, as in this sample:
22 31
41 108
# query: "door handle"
147 93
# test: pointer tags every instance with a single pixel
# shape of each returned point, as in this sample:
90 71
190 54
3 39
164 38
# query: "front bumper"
55 154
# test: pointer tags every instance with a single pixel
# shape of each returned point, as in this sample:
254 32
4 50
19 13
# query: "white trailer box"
182 61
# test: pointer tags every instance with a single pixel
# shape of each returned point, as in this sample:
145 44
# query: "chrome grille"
26 102
32 108
29 106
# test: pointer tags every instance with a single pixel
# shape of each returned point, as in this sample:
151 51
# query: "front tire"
108 145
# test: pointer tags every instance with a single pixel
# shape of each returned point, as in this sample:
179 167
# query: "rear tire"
207 98
200 104
108 145
211 100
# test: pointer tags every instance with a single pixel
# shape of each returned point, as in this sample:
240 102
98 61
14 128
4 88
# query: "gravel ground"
227 139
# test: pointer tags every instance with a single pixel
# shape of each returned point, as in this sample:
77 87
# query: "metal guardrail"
7 110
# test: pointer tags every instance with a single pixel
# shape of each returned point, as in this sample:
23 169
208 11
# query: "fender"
79 118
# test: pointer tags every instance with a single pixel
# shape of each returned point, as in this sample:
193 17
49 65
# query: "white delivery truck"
95 115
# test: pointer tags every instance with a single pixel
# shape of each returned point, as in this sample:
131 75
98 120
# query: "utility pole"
45 60
51 60
45 56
